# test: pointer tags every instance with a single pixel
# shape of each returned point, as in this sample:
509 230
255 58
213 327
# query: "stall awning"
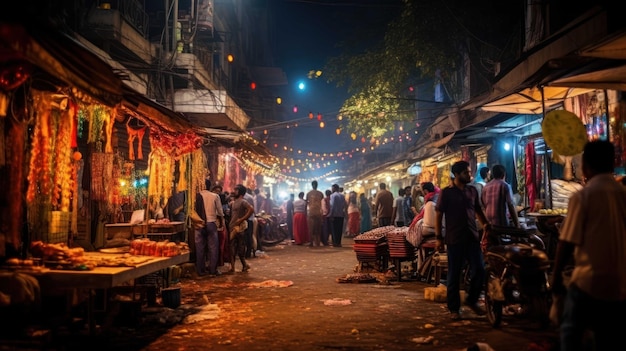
613 52
63 58
153 113
531 101
516 91
613 47
611 78
237 140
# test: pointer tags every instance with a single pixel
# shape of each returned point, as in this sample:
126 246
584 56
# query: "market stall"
60 270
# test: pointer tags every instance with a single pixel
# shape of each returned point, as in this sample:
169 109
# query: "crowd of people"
459 217
226 227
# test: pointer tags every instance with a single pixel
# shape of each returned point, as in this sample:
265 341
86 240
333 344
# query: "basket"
58 227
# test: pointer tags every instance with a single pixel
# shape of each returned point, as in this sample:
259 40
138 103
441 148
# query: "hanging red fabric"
529 166
74 118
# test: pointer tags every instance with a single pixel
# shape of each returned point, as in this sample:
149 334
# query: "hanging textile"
132 135
101 175
530 165
12 218
109 121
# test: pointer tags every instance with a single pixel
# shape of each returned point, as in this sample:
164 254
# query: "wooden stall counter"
108 277
103 277
173 231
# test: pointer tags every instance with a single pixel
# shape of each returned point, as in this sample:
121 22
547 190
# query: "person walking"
326 225
251 230
289 215
398 211
209 207
337 213
483 177
459 203
366 213
383 205
222 231
345 222
593 236
354 216
407 203
268 205
314 213
259 201
497 200
241 210
300 227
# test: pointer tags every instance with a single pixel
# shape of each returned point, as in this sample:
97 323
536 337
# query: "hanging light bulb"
230 58
319 116
322 124
353 136
279 100
338 131
310 115
295 108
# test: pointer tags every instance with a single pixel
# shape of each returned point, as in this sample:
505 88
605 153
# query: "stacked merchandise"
372 246
399 247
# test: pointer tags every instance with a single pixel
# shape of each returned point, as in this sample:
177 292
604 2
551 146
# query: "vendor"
175 209
155 208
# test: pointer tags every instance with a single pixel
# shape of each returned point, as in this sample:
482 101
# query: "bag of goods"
171 249
148 248
160 248
136 246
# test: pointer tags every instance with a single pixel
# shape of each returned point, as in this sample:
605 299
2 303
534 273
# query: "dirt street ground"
291 300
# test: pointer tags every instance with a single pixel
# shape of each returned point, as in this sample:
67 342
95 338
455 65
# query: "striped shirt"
495 196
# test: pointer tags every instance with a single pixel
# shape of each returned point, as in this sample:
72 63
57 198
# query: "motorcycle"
270 230
517 282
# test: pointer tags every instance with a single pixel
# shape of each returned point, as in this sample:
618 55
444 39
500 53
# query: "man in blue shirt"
337 214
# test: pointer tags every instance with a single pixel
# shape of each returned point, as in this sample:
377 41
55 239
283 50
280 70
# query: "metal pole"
546 160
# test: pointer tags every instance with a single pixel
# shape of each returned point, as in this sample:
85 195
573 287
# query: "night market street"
260 310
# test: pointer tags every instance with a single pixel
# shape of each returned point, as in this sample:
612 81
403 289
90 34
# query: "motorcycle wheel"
492 305
275 236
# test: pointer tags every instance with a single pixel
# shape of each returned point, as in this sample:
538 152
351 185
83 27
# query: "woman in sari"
300 227
366 213
354 216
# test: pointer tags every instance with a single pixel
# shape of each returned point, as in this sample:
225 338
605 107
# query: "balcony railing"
133 12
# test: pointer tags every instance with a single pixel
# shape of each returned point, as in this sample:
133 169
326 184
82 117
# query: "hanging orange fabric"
132 135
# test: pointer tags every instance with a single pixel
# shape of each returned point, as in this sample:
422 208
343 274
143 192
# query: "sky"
307 34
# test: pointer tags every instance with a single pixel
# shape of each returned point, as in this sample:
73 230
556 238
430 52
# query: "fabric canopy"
531 100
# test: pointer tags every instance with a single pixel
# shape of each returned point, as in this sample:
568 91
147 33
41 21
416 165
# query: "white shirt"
212 205
596 224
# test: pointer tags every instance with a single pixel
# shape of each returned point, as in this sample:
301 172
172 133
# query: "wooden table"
103 277
107 277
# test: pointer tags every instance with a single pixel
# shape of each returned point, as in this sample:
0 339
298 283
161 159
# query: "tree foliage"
429 40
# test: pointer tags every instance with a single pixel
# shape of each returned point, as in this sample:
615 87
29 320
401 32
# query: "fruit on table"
553 211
